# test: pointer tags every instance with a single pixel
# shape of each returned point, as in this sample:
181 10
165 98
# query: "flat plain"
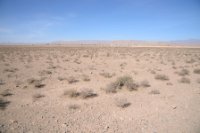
99 89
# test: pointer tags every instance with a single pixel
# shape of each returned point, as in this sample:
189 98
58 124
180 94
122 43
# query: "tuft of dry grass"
87 93
62 78
73 106
145 83
161 77
44 72
72 80
36 82
107 75
85 78
154 92
197 71
122 103
37 96
183 72
71 93
184 80
6 93
124 81
1 82
84 94
198 80
3 104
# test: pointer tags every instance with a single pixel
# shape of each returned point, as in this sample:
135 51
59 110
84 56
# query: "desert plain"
105 89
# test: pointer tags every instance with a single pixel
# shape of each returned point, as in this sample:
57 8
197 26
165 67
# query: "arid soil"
49 89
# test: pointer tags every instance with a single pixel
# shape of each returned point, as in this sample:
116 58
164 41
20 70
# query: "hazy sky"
52 20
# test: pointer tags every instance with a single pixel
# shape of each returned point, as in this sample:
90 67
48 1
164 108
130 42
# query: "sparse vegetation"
197 71
62 78
87 93
85 78
145 83
6 93
36 82
71 93
122 103
72 80
124 81
198 80
184 80
183 72
73 106
1 82
161 77
38 96
107 75
154 92
3 104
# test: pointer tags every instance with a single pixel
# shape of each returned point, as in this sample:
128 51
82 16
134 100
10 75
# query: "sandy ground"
66 89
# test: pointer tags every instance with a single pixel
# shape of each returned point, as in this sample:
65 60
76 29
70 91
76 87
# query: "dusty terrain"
99 89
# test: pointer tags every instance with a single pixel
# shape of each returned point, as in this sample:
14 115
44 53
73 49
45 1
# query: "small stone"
174 107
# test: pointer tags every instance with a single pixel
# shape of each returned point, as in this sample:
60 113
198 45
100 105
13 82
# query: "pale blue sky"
54 20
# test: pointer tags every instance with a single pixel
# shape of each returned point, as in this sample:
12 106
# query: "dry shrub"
73 106
197 71
72 93
183 72
124 81
198 80
87 93
62 78
36 82
3 104
45 72
6 93
184 80
107 75
2 82
11 70
72 80
154 92
145 83
85 77
161 77
190 61
84 94
122 103
153 72
38 96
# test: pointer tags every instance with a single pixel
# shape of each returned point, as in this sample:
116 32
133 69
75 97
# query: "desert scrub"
145 83
197 71
87 93
73 106
183 72
37 96
71 93
2 82
154 92
124 81
184 80
122 103
161 77
36 82
107 75
6 93
62 78
85 78
84 94
72 80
